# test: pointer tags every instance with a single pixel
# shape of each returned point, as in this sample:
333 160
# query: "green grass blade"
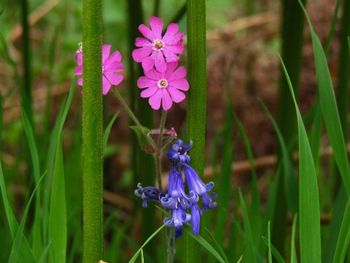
290 185
108 131
17 243
293 253
310 229
248 236
217 245
36 230
255 218
1 120
133 259
269 255
329 107
343 237
57 216
205 244
274 251
44 254
332 27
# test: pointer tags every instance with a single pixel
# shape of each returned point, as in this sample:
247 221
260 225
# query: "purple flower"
157 50
194 183
195 218
177 153
164 88
111 67
148 193
178 218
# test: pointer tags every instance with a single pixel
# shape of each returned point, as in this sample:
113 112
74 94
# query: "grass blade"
343 237
133 259
274 251
310 229
57 216
293 254
17 243
204 243
269 242
108 131
217 245
329 107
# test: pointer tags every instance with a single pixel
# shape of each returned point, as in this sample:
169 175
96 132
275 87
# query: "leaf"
329 107
274 251
143 142
58 216
133 259
204 243
310 229
290 185
293 254
108 131
269 242
217 245
343 237
17 243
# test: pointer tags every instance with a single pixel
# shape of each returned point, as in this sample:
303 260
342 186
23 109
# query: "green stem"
26 89
92 152
134 118
156 7
344 68
180 14
196 118
158 152
292 43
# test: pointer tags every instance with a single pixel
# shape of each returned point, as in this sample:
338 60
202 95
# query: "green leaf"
329 107
17 243
310 229
143 142
293 253
274 251
269 242
343 237
133 259
58 216
290 185
217 245
108 131
204 243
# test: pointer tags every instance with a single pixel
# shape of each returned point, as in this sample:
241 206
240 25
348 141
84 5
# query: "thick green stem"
344 68
92 132
196 118
292 43
26 88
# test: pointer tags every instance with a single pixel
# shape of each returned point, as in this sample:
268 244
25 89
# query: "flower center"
163 83
158 44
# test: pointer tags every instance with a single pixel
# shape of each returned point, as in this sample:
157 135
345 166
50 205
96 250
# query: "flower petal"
147 64
169 55
153 74
176 95
113 78
80 82
79 58
170 32
156 26
177 49
106 85
179 73
181 84
140 42
116 57
140 53
160 63
196 218
155 100
106 50
146 32
166 100
78 70
144 82
148 92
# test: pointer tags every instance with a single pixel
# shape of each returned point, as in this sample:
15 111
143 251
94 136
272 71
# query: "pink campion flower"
164 88
155 49
111 66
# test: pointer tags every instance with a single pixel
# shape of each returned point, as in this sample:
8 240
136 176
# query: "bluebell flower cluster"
183 205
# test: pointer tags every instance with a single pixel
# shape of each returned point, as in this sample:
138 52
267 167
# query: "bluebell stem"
183 207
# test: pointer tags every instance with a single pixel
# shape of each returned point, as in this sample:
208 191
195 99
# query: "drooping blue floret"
185 189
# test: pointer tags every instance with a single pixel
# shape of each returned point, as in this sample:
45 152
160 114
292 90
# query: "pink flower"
111 66
155 49
164 88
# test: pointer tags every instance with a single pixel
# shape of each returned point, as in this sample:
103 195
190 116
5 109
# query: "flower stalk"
92 133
